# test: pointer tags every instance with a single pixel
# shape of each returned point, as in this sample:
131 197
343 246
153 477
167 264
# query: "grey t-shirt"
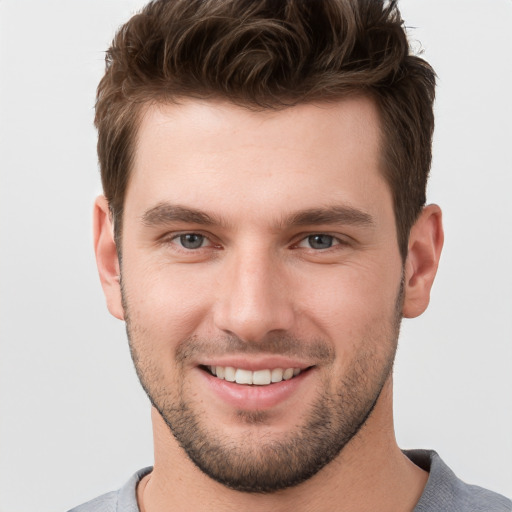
444 492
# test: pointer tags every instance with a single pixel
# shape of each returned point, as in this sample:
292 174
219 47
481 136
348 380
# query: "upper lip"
255 363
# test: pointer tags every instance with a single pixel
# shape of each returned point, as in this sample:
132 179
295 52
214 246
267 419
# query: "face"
261 282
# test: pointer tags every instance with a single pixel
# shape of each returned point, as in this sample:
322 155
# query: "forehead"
201 153
219 125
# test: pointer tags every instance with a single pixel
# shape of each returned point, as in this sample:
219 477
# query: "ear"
425 245
106 257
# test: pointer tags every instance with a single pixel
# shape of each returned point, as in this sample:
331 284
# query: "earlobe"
425 245
106 257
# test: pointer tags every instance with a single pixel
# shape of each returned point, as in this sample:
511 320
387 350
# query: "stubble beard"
260 462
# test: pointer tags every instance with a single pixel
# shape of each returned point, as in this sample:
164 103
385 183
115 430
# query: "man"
263 232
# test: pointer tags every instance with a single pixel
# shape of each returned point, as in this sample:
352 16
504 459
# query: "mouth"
263 377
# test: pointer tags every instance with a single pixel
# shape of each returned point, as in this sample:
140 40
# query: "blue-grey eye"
192 240
320 241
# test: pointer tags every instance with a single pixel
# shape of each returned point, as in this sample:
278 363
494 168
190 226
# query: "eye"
319 241
191 240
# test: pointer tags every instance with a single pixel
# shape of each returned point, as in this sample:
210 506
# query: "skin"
257 278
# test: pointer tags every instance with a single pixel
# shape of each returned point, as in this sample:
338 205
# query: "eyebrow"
166 213
345 215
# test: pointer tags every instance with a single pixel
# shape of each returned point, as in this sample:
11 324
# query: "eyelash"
334 241
177 240
179 236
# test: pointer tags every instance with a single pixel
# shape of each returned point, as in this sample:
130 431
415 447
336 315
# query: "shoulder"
122 500
105 503
444 491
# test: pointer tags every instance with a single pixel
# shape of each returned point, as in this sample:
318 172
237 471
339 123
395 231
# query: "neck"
371 473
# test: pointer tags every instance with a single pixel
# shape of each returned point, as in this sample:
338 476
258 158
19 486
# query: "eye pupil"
320 241
191 240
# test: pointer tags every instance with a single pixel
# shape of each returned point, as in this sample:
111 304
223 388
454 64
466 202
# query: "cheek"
341 303
354 302
167 301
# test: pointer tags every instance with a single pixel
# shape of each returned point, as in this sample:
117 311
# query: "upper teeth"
258 377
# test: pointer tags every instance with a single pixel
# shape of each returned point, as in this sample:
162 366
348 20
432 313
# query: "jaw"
369 456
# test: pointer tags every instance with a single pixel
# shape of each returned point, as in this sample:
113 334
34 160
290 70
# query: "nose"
253 298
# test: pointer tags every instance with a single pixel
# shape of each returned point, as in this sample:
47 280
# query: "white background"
73 421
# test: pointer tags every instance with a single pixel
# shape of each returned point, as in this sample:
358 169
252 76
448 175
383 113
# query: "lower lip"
255 398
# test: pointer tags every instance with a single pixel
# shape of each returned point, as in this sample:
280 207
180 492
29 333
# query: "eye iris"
320 241
191 240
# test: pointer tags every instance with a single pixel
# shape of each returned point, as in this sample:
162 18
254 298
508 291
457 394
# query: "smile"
253 378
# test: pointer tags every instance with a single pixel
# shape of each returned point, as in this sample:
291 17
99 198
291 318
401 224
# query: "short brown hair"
270 54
